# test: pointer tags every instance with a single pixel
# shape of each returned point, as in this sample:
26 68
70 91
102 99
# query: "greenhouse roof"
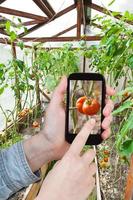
60 20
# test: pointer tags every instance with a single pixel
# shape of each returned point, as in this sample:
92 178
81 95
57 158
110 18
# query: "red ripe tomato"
106 159
106 152
35 124
79 103
87 106
91 107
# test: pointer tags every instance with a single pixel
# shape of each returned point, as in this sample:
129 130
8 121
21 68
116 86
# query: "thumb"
59 92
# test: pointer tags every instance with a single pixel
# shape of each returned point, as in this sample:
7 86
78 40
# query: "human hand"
50 143
72 177
54 130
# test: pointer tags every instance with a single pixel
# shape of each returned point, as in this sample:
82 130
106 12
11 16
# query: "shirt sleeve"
15 172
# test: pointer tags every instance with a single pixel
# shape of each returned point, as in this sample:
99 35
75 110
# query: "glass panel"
60 4
56 26
23 5
120 6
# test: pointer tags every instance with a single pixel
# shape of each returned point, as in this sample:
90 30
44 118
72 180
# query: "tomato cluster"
87 106
24 112
104 162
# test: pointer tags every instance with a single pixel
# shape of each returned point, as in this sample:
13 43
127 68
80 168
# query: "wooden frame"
19 13
79 17
59 14
65 31
43 7
39 21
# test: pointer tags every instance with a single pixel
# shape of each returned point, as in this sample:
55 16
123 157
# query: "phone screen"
85 102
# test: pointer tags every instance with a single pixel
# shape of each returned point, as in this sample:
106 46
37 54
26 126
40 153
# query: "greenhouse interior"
65 65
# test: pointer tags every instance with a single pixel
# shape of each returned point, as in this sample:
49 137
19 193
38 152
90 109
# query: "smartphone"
85 100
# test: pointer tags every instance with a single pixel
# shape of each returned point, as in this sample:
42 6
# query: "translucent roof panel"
60 4
118 5
23 5
56 26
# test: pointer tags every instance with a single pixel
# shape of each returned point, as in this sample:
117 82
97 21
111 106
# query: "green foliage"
113 56
127 127
127 147
7 140
126 105
55 63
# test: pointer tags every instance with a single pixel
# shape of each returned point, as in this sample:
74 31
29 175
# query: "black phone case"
93 139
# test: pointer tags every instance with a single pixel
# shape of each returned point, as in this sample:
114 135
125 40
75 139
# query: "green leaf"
130 61
124 106
31 87
20 64
13 36
19 20
1 73
114 13
1 90
8 27
22 86
128 15
127 147
111 2
127 126
21 45
25 30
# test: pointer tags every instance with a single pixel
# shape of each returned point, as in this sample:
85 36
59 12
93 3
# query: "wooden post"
38 100
79 16
17 91
129 185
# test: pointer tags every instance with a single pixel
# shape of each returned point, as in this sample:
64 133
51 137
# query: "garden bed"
113 174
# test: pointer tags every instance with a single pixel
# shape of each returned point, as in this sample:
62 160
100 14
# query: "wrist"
38 151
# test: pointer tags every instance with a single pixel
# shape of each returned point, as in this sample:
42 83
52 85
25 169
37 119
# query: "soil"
113 177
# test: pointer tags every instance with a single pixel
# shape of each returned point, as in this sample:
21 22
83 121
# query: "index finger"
82 137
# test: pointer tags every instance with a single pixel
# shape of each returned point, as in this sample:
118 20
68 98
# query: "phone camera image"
85 101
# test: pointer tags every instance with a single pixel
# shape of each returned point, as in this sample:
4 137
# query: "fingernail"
92 121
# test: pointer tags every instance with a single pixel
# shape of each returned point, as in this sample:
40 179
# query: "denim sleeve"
15 172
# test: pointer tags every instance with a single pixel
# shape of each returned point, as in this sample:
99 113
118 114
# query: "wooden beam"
61 39
28 23
49 6
2 1
43 7
59 14
7 42
65 31
10 11
49 39
79 16
2 31
105 11
31 29
66 10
